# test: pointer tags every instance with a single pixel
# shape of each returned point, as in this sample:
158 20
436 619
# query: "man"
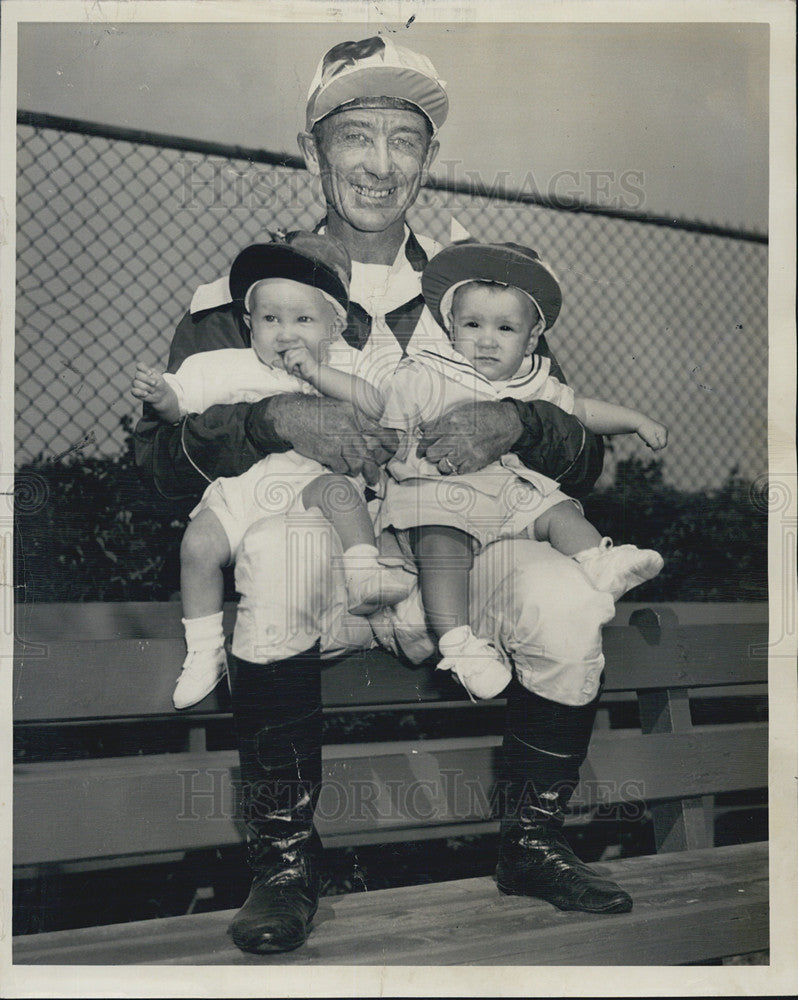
373 113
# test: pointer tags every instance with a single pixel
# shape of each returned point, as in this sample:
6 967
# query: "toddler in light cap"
494 300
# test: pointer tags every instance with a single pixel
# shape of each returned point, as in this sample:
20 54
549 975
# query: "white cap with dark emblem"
372 68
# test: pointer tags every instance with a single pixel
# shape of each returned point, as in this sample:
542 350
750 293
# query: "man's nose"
487 337
378 158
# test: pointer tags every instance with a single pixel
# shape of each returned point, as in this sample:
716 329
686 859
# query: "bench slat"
688 907
101 808
87 621
134 677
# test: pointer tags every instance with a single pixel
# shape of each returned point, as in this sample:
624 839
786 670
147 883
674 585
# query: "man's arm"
545 438
558 445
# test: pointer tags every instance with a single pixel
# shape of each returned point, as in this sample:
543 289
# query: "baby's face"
494 328
285 314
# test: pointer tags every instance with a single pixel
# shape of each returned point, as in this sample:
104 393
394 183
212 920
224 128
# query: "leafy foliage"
714 542
99 535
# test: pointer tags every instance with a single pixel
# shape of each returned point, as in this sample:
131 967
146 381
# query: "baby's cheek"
465 346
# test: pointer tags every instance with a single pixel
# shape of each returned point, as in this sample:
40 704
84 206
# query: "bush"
101 536
98 535
714 542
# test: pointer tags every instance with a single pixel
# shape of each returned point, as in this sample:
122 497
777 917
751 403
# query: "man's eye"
268 318
305 319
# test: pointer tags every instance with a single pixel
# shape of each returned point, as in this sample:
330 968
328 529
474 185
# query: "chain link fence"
115 233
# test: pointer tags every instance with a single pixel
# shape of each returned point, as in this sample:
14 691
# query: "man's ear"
307 146
432 152
246 317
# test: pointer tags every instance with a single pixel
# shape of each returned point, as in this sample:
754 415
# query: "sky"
665 118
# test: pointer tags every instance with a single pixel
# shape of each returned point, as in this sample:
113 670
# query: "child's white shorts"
273 486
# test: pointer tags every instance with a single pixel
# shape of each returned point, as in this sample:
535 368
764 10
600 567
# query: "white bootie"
206 662
617 570
370 584
474 662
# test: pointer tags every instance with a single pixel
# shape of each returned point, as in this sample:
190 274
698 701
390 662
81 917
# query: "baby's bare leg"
445 558
566 529
369 585
203 554
610 569
340 502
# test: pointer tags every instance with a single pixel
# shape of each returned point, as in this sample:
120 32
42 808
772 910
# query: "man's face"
372 162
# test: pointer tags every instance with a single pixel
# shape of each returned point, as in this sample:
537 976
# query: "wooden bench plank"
86 621
127 805
688 907
134 677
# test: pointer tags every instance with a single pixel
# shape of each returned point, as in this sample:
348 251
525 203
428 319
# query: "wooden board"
102 808
88 621
133 677
688 907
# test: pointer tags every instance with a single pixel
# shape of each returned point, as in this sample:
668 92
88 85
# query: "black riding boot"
277 713
544 746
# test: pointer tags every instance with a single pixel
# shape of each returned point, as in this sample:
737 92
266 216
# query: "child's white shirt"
432 381
237 375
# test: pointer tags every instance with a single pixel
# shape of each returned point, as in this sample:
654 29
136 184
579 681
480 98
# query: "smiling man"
373 114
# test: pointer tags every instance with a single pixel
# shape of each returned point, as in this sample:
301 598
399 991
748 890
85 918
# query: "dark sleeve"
556 443
181 459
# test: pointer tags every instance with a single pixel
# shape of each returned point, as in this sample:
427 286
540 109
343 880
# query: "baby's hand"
653 433
149 384
300 362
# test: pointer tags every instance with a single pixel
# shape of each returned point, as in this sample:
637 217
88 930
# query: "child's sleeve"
554 391
404 396
189 384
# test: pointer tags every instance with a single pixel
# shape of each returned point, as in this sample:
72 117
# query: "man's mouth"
376 194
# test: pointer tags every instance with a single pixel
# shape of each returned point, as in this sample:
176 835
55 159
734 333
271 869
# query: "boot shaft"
544 746
277 713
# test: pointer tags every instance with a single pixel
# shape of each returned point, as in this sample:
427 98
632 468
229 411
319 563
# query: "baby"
294 294
494 301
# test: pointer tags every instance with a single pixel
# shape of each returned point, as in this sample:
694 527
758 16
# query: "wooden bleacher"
113 666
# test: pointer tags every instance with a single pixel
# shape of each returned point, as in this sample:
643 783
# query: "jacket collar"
413 250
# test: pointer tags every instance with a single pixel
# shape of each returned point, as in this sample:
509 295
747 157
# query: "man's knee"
555 597
538 605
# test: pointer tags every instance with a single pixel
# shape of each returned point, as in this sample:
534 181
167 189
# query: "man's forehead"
380 118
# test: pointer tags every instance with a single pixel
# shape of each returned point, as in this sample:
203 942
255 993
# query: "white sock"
603 546
204 633
454 637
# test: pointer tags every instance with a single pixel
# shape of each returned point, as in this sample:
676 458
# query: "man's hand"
331 432
470 436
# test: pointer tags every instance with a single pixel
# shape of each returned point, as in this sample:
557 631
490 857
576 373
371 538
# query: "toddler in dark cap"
294 293
494 301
